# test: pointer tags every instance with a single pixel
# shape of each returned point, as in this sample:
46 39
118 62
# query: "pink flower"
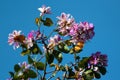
15 39
44 10
98 58
74 29
86 25
54 41
29 42
24 65
81 32
64 23
31 35
88 30
35 35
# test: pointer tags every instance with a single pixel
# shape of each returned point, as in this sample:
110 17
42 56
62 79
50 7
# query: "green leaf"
88 71
66 49
17 68
78 57
102 70
24 46
35 49
59 58
25 52
63 48
50 58
30 60
48 22
11 74
52 65
68 42
62 68
97 75
31 74
40 65
71 74
71 51
58 55
83 62
76 68
89 76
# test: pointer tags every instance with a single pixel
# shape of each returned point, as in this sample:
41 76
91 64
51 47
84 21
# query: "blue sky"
105 14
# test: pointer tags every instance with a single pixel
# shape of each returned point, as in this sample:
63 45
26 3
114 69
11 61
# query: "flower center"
19 38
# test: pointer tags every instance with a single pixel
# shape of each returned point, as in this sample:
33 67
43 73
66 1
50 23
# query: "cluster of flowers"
95 63
98 59
78 34
17 39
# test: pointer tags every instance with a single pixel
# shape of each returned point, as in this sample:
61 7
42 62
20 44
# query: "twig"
45 69
45 59
41 57
50 72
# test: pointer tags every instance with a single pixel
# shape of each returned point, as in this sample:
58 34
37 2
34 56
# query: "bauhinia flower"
16 39
81 32
98 59
64 23
88 29
73 29
29 40
54 41
24 65
32 37
44 10
31 34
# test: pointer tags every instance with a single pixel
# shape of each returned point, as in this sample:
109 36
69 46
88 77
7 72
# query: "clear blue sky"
105 14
